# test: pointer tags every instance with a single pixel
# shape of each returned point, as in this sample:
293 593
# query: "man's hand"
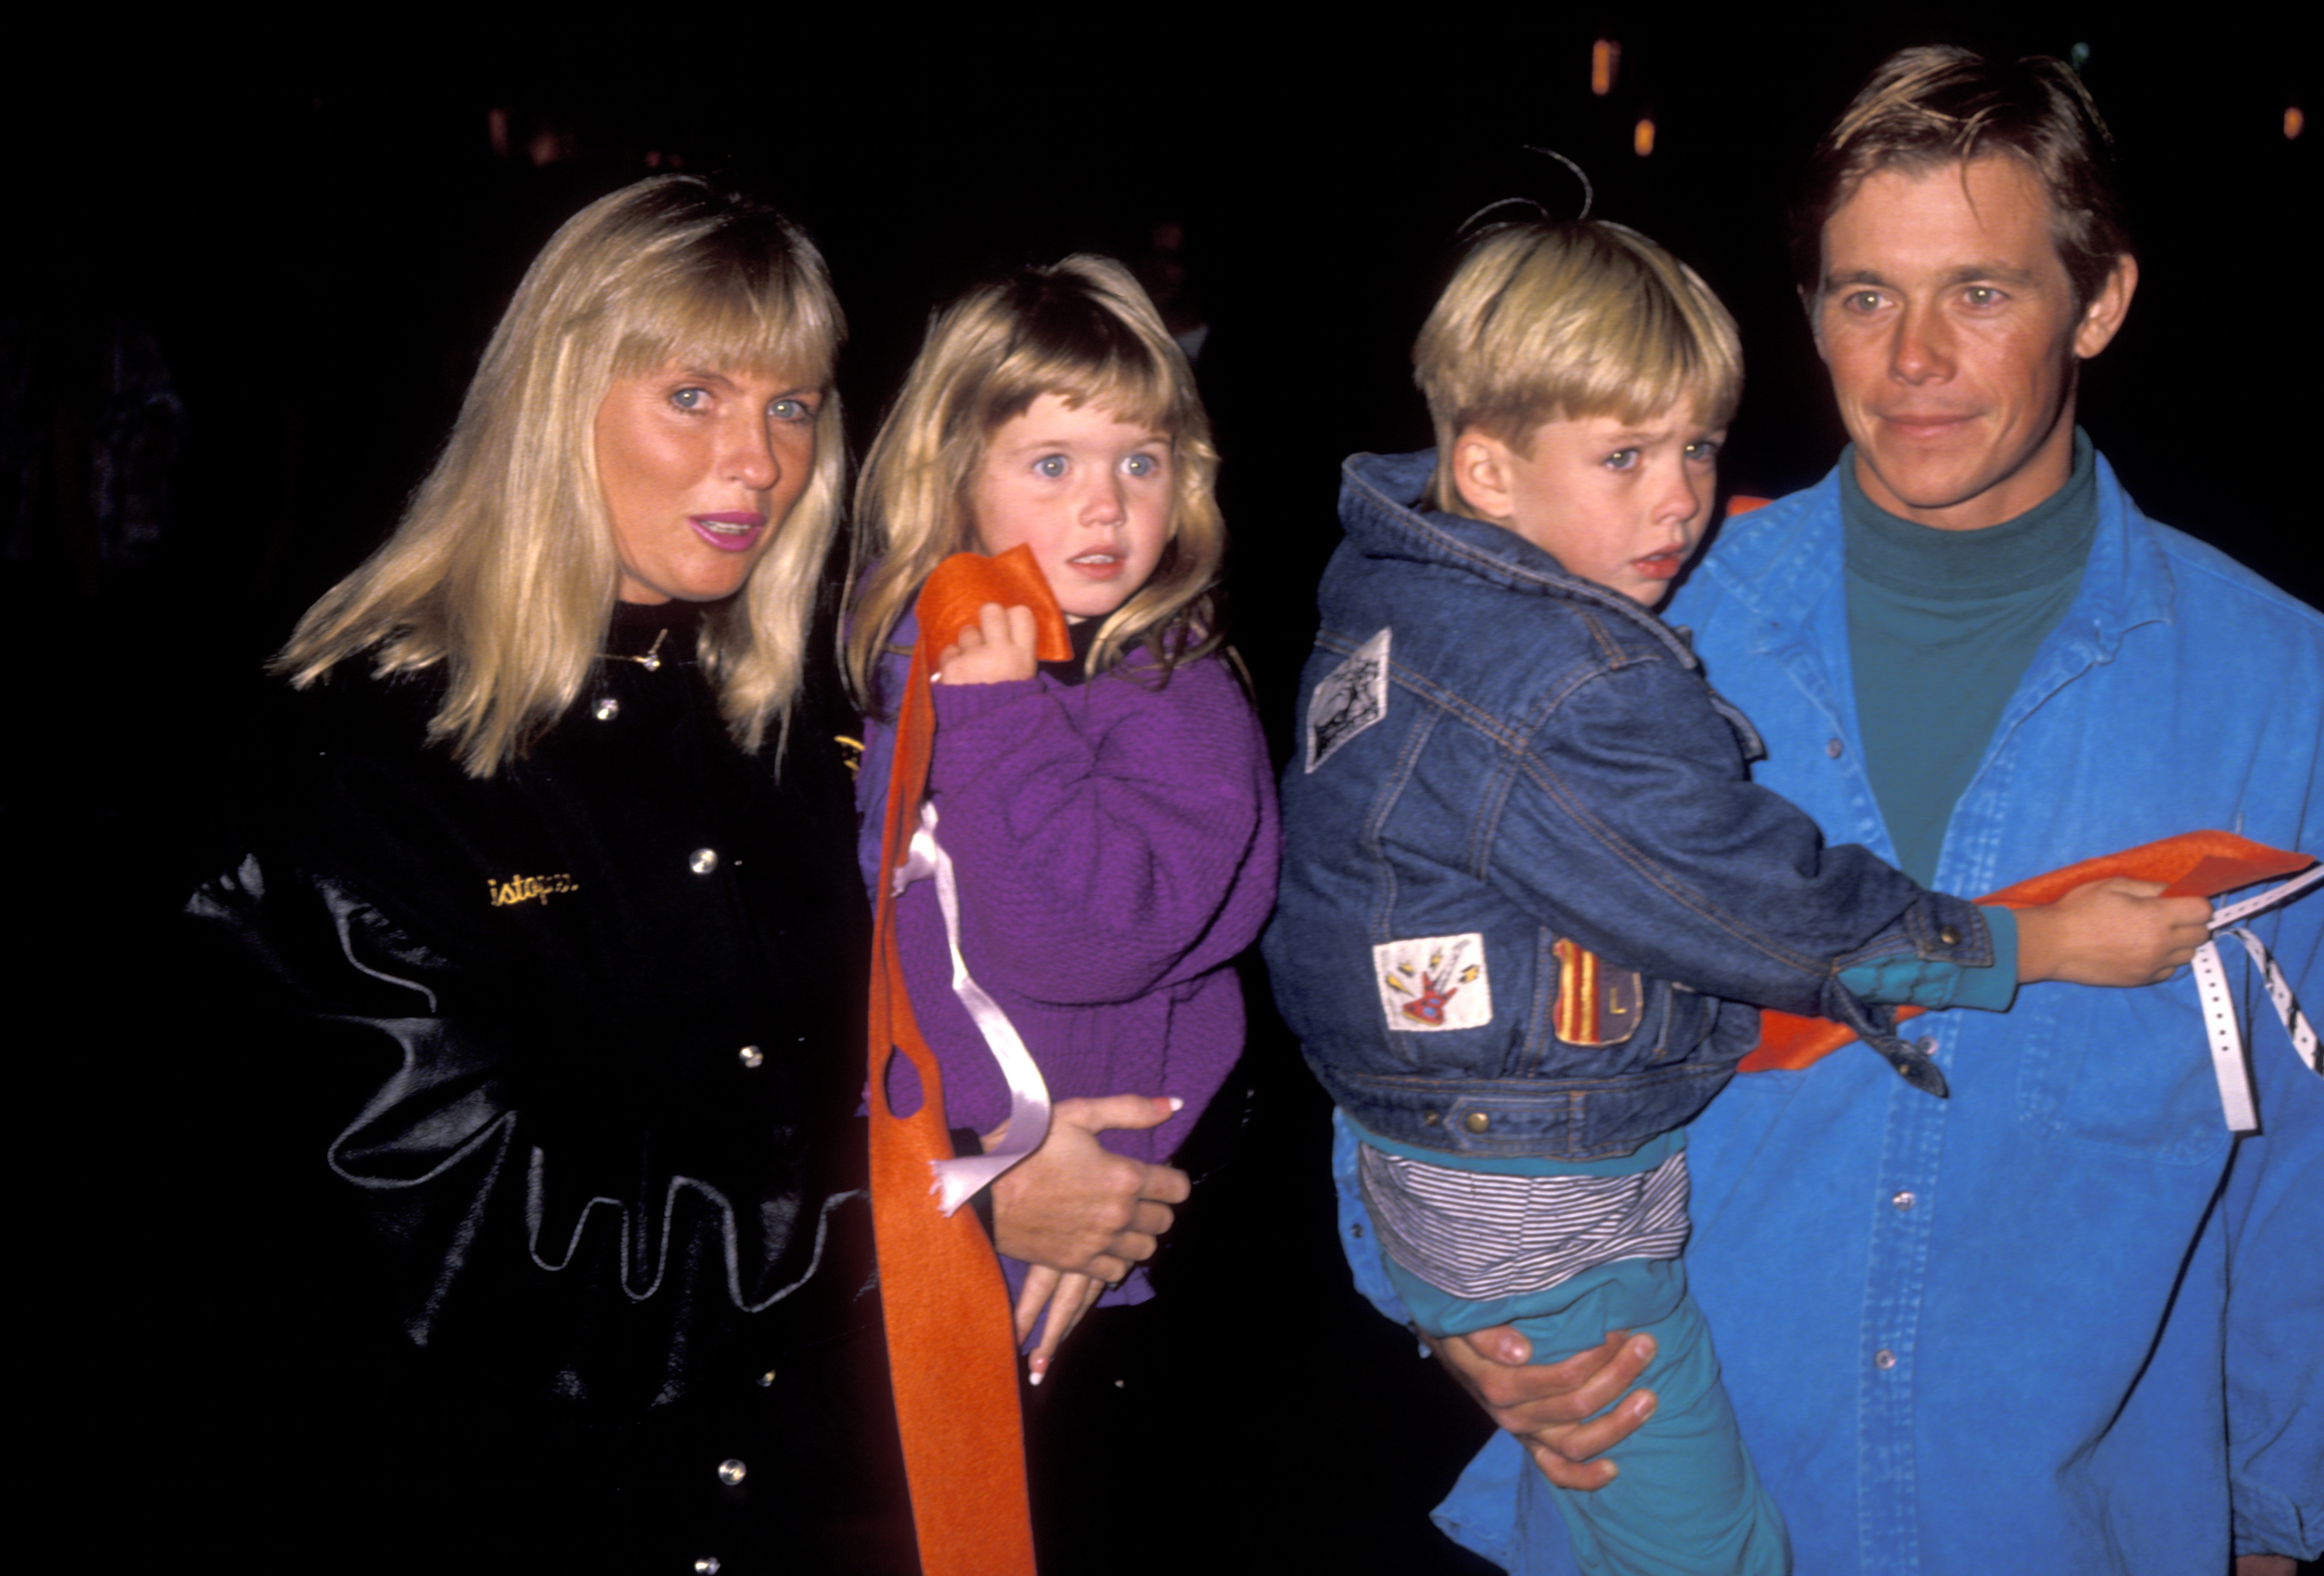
1076 1207
2111 932
1550 1407
996 649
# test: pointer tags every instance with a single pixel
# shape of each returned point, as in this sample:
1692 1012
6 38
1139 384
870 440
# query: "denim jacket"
1517 819
1865 1253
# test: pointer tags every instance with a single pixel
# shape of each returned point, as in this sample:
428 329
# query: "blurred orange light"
1642 140
1605 59
2294 122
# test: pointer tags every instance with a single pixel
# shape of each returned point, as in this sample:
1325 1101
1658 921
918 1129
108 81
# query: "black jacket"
565 1064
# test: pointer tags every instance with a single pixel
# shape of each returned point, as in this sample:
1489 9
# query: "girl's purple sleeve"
1118 837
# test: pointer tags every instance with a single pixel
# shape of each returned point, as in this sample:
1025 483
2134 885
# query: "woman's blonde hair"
503 569
1545 320
1083 331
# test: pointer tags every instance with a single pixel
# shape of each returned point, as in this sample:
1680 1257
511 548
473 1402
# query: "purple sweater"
1116 846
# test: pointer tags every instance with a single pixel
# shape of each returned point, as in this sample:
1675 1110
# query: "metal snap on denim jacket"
1528 885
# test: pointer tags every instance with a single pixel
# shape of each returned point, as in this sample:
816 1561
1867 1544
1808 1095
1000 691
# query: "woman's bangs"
771 333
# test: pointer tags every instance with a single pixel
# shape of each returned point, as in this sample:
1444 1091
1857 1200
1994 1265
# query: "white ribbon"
962 1177
2227 1064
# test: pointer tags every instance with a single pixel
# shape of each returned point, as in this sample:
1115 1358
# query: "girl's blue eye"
1707 449
1052 465
1622 459
1142 465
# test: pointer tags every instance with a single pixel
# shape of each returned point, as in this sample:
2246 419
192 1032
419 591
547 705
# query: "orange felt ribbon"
952 1343
2193 864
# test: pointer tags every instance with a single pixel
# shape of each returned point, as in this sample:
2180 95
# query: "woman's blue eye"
1707 449
788 410
690 399
1052 465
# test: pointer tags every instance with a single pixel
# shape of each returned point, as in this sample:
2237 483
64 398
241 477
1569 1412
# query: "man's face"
1948 325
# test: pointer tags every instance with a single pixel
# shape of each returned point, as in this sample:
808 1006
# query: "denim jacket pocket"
2124 1072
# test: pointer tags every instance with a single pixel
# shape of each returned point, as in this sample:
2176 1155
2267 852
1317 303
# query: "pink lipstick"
734 530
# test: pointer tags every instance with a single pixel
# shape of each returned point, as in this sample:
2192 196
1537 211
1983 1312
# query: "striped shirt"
1479 1235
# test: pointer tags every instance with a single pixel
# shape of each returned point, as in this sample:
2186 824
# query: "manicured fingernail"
1036 1378
1177 1103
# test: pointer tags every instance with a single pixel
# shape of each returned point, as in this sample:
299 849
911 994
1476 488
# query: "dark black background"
318 238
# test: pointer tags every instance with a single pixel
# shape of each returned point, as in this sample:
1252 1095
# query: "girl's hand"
1067 1298
996 649
2112 932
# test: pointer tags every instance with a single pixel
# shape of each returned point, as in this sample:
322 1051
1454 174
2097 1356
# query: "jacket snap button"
730 1472
1904 1200
1429 1118
1476 1121
702 861
1950 934
1883 1359
608 709
749 1056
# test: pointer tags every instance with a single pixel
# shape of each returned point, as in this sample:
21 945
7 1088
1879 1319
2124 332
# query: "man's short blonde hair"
1545 320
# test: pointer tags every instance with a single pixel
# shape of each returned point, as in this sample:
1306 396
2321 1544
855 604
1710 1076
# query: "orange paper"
2193 864
951 1344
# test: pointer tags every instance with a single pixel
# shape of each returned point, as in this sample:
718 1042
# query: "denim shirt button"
1833 747
1950 934
1476 1121
1883 1359
1904 1200
1927 1045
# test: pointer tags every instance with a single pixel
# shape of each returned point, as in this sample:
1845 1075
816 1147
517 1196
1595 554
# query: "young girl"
1111 819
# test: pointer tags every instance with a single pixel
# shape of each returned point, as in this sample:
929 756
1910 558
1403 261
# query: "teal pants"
1687 1502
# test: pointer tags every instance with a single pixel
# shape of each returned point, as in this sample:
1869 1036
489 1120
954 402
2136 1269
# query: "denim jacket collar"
1381 508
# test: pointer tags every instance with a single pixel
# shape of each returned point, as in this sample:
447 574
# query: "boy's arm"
1653 853
1631 829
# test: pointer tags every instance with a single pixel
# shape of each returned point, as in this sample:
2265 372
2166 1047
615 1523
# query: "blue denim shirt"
1503 767
2063 1321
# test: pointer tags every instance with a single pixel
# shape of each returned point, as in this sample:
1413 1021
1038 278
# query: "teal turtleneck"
1941 625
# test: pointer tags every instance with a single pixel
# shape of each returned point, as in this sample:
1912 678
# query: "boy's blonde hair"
1084 331
1547 320
503 570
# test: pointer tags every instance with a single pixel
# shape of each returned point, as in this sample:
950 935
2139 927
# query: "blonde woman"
552 875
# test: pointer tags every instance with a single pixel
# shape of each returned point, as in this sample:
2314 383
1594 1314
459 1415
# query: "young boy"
1529 889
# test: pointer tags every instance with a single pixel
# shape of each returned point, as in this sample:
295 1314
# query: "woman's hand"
996 649
2111 932
1076 1208
1551 1408
1066 1296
